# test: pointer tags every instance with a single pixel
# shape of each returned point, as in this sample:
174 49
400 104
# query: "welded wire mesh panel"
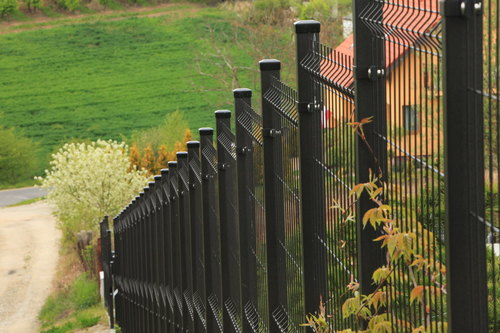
488 95
251 122
229 223
256 308
333 83
410 32
284 100
212 235
199 290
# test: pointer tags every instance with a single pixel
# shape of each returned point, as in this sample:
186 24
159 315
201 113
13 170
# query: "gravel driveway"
28 257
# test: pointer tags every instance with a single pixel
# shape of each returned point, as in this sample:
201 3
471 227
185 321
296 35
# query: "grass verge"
27 202
74 302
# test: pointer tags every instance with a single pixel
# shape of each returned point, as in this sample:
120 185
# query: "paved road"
10 197
28 257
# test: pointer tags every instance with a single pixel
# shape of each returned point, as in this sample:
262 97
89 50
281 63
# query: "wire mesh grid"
251 122
331 67
255 309
486 101
227 140
212 237
284 100
336 162
412 132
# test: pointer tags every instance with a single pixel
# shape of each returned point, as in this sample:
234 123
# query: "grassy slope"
107 79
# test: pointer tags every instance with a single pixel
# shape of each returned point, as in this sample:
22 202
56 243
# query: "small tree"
172 130
162 160
188 136
148 159
8 7
134 158
89 181
17 157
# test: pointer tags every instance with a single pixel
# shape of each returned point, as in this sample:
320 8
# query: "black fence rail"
258 223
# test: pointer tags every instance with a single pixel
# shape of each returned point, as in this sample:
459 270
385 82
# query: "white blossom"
88 181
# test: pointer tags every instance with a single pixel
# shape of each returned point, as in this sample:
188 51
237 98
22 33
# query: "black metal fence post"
152 254
229 226
246 187
142 262
369 69
197 236
139 264
177 285
106 267
211 237
116 271
185 227
311 169
146 223
464 162
167 248
273 171
159 255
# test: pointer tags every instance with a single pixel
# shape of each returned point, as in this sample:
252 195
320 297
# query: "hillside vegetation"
110 74
108 79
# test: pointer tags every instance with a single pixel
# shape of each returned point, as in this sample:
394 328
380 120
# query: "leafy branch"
405 263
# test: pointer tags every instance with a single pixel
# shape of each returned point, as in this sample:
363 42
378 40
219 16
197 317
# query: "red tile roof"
407 24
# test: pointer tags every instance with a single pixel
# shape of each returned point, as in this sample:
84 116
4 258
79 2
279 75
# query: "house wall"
409 85
406 84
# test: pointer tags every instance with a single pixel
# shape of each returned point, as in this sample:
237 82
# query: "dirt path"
28 256
43 22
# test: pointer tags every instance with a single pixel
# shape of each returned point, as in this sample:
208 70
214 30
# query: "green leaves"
351 305
376 216
381 275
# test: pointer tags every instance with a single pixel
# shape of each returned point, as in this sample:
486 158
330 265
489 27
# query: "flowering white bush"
89 181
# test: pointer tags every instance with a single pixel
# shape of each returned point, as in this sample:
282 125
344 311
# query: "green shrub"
321 10
267 5
271 12
17 155
171 131
32 4
84 292
8 7
70 5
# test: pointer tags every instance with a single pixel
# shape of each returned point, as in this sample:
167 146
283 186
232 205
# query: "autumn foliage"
153 161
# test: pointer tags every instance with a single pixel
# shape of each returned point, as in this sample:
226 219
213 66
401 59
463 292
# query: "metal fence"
107 262
252 228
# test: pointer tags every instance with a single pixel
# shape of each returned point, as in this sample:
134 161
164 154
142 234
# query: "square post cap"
193 144
307 27
270 65
172 164
242 93
222 114
206 131
181 154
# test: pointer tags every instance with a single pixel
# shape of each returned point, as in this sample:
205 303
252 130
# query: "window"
410 117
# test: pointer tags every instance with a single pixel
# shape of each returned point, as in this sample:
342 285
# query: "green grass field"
106 79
